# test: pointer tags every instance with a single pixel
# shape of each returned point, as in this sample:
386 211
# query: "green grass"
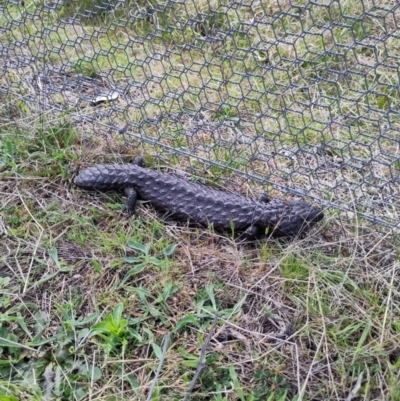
88 296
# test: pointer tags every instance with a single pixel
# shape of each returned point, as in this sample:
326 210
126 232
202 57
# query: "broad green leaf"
191 364
54 255
189 319
236 384
132 259
138 246
157 350
154 261
96 265
136 270
210 292
169 250
117 313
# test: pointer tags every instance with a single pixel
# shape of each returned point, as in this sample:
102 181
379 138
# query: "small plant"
85 68
8 156
112 329
144 258
117 332
293 268
270 386
226 112
216 377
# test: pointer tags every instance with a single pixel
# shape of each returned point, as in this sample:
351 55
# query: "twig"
356 388
202 360
164 351
15 344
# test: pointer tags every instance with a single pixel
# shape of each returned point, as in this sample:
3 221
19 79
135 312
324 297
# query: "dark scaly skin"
187 200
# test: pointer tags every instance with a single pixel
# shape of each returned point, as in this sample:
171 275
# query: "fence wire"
301 96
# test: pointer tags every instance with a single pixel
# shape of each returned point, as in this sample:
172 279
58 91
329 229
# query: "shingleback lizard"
187 200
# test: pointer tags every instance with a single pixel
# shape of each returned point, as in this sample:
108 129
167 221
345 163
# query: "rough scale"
187 200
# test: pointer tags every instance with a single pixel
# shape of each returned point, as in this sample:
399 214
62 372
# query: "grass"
92 301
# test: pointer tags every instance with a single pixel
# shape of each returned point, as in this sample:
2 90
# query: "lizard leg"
252 233
139 161
264 198
131 195
130 192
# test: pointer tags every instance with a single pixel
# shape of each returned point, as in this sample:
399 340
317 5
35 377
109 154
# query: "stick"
356 388
202 360
164 351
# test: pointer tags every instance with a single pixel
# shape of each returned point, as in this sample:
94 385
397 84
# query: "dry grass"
85 309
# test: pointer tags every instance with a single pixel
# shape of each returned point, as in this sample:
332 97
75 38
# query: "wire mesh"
300 96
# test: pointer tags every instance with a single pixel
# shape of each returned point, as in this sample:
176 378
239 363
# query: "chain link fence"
300 96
